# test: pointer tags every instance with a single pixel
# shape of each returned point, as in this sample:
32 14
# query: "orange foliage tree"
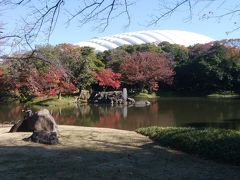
51 82
145 69
25 83
107 78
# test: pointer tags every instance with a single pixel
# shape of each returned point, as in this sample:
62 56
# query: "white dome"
141 37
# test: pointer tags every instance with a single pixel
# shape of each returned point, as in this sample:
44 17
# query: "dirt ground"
100 153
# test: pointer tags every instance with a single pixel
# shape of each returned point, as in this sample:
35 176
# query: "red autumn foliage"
37 83
106 77
146 69
53 82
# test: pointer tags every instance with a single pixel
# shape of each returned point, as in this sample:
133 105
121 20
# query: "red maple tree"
107 78
53 82
38 83
145 69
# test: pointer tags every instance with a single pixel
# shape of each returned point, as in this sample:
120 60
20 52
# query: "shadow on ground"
147 162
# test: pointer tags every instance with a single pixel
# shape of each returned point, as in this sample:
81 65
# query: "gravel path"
100 153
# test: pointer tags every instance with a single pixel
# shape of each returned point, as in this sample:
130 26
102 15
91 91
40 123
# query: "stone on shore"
41 123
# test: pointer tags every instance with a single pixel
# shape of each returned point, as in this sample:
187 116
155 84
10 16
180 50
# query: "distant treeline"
66 69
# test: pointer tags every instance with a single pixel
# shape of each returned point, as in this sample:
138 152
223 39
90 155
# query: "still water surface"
197 112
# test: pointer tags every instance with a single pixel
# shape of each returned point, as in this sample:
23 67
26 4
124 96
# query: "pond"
196 112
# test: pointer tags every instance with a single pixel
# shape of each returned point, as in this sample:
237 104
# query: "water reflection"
10 113
198 112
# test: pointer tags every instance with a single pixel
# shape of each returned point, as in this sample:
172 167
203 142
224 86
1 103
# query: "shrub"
218 144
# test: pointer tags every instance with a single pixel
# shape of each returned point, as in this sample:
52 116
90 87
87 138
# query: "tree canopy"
107 78
65 68
145 69
209 71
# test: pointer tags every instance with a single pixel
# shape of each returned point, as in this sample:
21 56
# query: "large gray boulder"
41 123
43 137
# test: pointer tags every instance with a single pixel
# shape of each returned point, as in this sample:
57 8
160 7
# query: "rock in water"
112 97
84 96
142 103
131 101
42 124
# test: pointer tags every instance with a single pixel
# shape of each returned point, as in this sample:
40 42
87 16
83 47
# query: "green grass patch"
227 94
145 95
52 101
217 144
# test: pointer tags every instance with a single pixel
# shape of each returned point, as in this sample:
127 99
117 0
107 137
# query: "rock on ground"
36 121
41 123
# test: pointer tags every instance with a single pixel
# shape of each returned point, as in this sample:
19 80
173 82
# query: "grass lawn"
217 144
226 94
223 96
102 154
145 95
52 101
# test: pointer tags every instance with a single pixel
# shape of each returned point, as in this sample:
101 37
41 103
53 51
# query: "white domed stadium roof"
142 37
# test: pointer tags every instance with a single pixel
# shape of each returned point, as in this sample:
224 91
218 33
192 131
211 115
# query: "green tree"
113 58
176 52
80 62
208 71
141 48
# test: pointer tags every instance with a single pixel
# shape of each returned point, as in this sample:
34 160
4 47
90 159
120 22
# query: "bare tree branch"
169 12
52 13
9 36
43 15
102 11
210 9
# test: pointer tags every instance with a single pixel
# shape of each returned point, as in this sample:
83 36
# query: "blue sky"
140 14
